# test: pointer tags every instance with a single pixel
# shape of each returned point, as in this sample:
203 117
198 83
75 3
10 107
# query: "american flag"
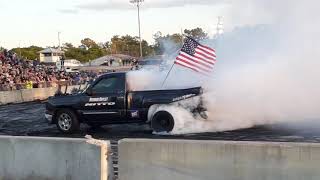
197 57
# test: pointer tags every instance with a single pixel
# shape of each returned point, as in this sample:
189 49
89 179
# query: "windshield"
84 88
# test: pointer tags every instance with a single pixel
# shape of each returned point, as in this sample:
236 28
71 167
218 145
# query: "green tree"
31 53
129 45
89 43
84 55
167 44
68 45
171 43
72 52
147 49
197 34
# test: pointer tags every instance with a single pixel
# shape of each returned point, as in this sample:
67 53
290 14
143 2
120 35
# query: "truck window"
108 85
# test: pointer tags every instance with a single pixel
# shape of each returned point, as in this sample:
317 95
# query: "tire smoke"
267 70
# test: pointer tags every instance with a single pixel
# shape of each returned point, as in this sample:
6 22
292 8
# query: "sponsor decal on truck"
183 97
101 101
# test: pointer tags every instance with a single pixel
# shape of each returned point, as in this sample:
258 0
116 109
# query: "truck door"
106 100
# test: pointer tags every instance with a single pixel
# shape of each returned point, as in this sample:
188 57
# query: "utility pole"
20 48
182 36
59 40
219 27
138 2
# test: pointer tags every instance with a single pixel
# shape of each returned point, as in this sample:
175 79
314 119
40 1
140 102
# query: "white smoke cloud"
68 11
269 83
265 73
124 4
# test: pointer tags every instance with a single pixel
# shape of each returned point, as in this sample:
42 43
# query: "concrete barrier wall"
28 95
24 158
10 97
217 160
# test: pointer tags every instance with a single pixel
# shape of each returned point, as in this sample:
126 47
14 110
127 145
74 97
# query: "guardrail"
28 95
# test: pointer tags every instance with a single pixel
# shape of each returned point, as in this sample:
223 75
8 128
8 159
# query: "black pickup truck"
108 100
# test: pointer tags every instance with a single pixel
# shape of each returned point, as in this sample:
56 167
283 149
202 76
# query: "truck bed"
146 98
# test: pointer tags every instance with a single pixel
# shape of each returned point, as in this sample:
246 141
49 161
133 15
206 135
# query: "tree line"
128 45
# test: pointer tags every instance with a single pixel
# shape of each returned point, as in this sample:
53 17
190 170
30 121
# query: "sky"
37 22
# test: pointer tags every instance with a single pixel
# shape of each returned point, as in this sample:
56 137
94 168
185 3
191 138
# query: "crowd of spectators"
17 73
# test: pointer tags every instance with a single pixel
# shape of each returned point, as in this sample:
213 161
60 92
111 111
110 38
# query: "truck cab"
105 99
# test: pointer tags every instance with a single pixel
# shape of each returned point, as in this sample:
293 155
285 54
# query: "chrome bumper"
48 118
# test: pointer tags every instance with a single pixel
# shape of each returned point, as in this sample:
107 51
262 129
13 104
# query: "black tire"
162 121
67 121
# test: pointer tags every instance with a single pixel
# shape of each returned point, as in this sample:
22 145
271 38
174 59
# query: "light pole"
138 2
59 40
219 27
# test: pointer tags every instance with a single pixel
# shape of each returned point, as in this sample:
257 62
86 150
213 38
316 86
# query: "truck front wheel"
162 121
67 121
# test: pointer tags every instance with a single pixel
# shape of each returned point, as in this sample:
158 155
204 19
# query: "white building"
50 55
70 65
112 60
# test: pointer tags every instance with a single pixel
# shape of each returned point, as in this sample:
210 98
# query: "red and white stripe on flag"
200 59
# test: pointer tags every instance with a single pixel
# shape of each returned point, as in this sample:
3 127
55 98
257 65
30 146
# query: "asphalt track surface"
28 120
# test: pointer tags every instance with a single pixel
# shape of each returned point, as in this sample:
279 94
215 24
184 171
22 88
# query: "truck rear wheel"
67 121
162 121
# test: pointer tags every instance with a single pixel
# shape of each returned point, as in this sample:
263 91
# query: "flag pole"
172 64
167 76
